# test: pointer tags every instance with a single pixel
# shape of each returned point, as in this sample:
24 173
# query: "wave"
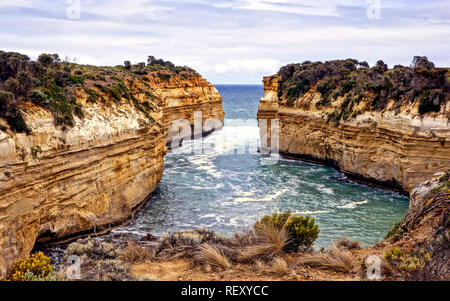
352 205
264 199
310 212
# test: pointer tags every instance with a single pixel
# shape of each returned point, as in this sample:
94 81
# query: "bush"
379 84
16 122
302 230
393 254
278 220
430 102
45 59
6 99
92 248
407 262
396 233
11 85
35 267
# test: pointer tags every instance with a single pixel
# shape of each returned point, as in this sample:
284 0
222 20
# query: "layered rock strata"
58 181
395 147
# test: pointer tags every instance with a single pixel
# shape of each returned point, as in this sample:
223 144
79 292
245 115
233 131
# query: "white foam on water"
322 188
310 212
352 205
263 199
209 187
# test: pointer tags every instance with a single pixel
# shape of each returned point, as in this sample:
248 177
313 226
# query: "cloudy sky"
228 41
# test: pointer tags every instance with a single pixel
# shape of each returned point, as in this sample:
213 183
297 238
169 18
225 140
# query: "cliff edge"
384 126
82 147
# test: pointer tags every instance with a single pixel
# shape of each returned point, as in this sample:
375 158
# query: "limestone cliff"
389 127
180 98
82 148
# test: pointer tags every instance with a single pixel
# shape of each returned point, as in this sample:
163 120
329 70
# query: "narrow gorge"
82 147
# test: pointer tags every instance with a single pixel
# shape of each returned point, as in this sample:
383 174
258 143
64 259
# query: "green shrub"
36 267
278 220
396 233
302 230
6 99
16 122
430 102
76 80
39 96
164 76
407 262
393 254
45 59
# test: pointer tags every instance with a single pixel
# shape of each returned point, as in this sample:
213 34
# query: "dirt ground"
185 270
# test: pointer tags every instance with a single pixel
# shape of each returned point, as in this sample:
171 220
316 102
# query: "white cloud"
247 66
15 3
227 42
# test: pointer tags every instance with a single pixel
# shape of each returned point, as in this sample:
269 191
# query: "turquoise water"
228 190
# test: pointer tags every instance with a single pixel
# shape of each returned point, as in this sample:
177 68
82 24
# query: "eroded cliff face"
395 146
181 97
59 181
426 230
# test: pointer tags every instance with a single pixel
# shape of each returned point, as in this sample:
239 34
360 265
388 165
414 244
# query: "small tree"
45 59
6 99
11 85
363 65
24 82
422 62
150 59
127 65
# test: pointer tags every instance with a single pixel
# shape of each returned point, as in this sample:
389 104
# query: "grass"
209 255
346 243
336 259
279 267
134 253
185 243
270 243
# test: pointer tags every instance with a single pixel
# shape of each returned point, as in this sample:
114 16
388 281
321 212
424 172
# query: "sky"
228 42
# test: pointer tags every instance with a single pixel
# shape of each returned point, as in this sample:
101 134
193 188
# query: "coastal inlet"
228 191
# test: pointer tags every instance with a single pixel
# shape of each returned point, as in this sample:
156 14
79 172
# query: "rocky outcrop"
59 179
425 229
180 98
396 147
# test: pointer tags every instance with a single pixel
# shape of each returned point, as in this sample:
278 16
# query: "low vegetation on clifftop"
54 84
375 86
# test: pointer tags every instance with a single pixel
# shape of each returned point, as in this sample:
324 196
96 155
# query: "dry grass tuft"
348 244
279 267
134 253
243 239
335 259
210 255
259 266
270 242
185 243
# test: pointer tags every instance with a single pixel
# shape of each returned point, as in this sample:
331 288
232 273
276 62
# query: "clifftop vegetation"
358 82
52 83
